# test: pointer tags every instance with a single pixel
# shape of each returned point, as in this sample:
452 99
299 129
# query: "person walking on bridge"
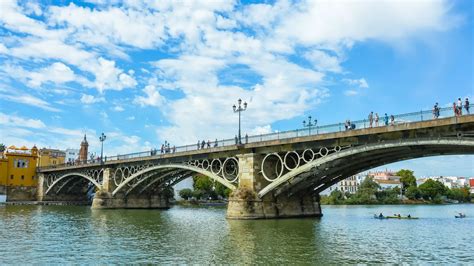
371 118
215 144
459 106
435 111
376 119
466 106
386 119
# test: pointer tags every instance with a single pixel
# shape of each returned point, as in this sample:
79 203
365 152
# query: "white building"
350 184
71 155
448 181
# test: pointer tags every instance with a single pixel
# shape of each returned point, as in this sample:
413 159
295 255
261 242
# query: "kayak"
406 218
380 218
460 216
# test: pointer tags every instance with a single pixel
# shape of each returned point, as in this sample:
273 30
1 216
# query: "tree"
432 189
370 184
336 197
460 194
407 178
412 193
2 147
186 193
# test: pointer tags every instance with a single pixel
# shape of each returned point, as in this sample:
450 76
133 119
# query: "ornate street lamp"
239 110
102 139
309 124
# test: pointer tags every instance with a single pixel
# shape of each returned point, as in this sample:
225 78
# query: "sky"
145 72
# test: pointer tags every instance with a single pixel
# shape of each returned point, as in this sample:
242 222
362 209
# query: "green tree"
336 197
459 194
198 194
370 184
201 182
2 147
186 193
407 178
432 189
412 193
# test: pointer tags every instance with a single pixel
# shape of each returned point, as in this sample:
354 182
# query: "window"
33 178
22 177
11 177
20 163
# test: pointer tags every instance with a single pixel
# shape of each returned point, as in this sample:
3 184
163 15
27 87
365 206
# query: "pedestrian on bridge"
435 111
392 120
208 143
198 144
376 119
455 109
466 106
371 118
203 144
215 144
459 106
386 119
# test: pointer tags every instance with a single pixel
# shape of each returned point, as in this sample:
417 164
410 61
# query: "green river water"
185 235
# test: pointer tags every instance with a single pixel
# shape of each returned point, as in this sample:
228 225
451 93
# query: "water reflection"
62 234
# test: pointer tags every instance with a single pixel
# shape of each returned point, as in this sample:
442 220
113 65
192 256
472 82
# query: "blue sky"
144 72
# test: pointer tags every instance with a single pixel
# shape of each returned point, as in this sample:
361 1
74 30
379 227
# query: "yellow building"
18 167
49 157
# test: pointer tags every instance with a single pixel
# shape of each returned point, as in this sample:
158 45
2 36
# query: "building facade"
350 185
386 179
49 157
18 179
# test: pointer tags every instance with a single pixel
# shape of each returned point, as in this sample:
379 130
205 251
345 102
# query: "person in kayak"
380 215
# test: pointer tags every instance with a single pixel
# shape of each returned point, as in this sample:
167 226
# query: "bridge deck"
400 126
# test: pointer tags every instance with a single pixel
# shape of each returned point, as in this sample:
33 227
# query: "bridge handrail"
421 115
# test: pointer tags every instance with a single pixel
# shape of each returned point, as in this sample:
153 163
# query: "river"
186 235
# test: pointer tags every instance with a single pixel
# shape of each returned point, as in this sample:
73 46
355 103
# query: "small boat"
379 217
401 217
461 215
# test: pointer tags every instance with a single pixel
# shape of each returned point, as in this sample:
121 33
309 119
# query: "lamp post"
102 139
309 124
240 109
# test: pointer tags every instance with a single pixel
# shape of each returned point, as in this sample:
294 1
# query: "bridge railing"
421 115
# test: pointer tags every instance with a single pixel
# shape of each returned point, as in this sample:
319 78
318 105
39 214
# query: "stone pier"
245 204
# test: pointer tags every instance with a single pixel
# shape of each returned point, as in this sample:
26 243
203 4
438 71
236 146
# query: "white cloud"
360 83
350 92
323 61
205 38
118 108
90 99
30 100
16 121
342 22
152 98
261 130
57 72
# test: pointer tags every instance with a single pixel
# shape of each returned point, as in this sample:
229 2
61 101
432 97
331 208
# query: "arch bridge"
268 178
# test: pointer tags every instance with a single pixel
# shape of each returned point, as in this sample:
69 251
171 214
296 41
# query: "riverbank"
200 203
47 203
